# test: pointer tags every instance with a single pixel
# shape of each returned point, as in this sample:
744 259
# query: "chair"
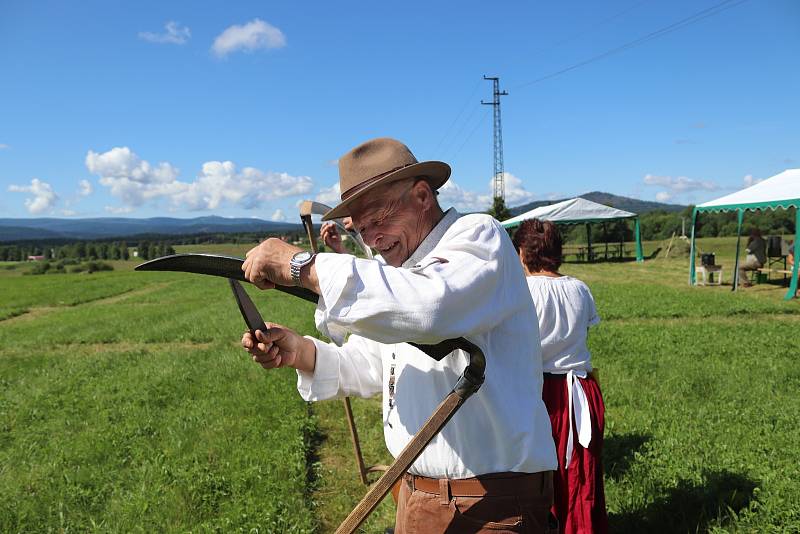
707 273
776 254
708 268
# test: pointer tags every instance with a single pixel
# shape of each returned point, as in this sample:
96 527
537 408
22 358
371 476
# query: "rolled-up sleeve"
354 369
455 289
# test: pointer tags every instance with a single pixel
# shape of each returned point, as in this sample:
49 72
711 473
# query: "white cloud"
4 146
680 184
118 210
136 182
68 213
85 188
674 187
44 198
749 180
219 181
249 37
329 195
133 180
174 34
515 190
278 216
451 194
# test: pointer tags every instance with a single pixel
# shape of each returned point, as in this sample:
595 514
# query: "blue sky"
242 108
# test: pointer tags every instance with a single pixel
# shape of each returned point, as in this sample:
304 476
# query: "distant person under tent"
756 256
566 309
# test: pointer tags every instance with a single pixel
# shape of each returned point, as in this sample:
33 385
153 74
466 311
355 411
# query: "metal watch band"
296 265
295 268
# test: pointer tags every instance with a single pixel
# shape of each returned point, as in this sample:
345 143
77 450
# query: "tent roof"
780 191
572 211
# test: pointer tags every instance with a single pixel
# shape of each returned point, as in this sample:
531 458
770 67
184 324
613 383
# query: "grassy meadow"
127 405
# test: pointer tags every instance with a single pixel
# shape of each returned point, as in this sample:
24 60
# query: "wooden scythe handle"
469 383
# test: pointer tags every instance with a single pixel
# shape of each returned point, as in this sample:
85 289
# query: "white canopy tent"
579 211
780 191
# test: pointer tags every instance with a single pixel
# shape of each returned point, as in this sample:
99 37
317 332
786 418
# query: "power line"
449 128
478 124
444 141
589 29
454 139
696 17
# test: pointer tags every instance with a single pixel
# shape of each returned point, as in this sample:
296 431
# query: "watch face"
301 256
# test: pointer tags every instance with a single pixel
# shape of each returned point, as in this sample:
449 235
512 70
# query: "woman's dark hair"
541 242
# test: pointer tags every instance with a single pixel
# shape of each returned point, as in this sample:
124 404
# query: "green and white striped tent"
580 211
782 191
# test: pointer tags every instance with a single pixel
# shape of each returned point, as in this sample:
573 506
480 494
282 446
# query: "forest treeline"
655 225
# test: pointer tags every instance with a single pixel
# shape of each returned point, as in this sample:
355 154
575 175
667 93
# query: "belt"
493 485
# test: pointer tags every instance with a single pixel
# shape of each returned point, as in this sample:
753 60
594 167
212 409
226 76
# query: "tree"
499 210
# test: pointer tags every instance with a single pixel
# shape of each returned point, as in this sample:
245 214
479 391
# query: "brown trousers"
499 503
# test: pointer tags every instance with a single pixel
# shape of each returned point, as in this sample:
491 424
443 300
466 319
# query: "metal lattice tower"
499 184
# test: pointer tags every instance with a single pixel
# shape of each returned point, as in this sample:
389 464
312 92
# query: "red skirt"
579 499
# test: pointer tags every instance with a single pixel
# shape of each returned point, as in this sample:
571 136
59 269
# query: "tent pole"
588 243
692 253
738 244
793 285
637 231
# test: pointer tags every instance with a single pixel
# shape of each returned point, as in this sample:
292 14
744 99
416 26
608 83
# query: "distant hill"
110 227
633 205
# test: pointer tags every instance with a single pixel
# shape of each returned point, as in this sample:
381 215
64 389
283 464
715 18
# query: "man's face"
390 221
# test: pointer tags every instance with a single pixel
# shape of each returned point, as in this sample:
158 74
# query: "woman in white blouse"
566 310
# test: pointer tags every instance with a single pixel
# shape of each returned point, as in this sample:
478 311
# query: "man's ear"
422 194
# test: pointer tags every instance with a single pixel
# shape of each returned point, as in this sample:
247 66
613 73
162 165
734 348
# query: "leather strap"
497 485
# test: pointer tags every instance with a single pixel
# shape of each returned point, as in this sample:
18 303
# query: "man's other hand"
280 347
329 233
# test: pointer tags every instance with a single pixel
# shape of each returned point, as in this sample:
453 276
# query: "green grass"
699 385
126 404
139 412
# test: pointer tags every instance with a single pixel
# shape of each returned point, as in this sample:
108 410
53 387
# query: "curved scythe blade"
215 265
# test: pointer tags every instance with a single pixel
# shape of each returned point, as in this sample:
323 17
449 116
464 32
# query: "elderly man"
439 276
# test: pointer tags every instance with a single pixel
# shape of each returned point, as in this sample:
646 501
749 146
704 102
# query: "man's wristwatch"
298 261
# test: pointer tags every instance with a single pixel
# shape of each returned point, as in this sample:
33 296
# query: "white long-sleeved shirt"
464 280
566 310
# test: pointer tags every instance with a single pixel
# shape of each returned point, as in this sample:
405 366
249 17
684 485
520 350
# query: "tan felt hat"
378 162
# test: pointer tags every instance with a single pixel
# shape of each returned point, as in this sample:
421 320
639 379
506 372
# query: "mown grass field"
126 405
